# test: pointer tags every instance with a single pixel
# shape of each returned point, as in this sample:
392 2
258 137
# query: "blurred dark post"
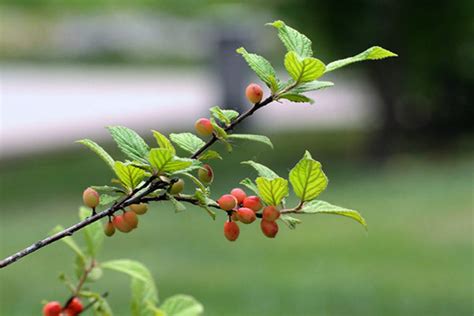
232 71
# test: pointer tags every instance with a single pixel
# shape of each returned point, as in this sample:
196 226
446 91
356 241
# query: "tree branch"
131 198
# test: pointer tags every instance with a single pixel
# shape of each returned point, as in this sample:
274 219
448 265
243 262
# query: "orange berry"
121 224
131 218
74 307
253 203
52 309
90 197
109 229
239 194
246 215
227 202
204 127
270 213
269 229
139 209
231 231
254 93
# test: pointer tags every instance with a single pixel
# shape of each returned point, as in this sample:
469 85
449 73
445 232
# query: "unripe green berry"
121 224
109 229
239 194
204 127
231 231
252 202
139 209
131 218
90 197
52 309
177 187
269 229
254 93
270 214
227 202
246 215
74 307
205 174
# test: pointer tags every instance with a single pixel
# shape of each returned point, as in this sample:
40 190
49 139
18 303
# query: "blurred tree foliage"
427 92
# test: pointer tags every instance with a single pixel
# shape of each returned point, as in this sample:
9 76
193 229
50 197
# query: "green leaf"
204 200
262 68
272 191
295 97
312 86
163 160
225 116
321 207
98 150
373 53
257 138
187 141
129 142
210 154
307 178
106 199
291 222
178 206
293 40
107 189
303 70
128 175
182 305
249 185
263 171
219 131
93 233
163 141
143 287
101 306
70 242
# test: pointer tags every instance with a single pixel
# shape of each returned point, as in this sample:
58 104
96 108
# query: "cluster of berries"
74 307
244 209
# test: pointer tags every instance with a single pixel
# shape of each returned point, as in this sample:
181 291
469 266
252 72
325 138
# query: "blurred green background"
406 164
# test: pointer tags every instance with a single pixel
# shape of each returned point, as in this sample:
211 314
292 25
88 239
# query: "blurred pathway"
51 106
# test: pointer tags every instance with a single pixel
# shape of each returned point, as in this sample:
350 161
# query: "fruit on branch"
121 224
227 202
269 229
239 194
74 307
254 93
52 309
252 202
131 218
246 215
205 174
203 127
177 187
231 231
139 209
234 216
109 228
270 213
91 198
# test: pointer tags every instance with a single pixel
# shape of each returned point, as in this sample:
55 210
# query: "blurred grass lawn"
416 260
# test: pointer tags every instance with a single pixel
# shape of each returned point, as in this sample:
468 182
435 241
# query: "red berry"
231 230
227 202
139 209
131 218
254 93
246 215
205 174
122 225
74 306
234 216
109 229
90 197
239 194
52 309
253 203
177 187
269 229
204 127
270 214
